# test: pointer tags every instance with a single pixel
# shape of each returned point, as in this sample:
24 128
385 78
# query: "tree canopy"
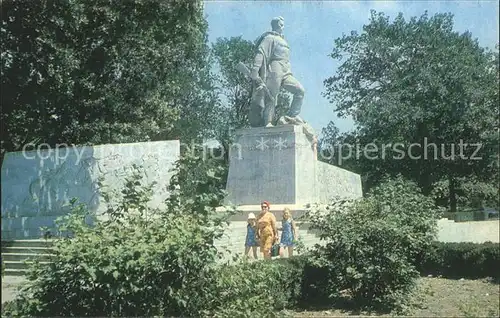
93 72
418 81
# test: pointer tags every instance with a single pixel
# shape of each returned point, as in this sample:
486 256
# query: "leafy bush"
119 271
314 282
197 187
299 245
146 262
372 243
461 260
255 289
266 288
139 262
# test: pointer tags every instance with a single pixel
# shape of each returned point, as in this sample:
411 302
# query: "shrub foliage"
163 262
138 262
371 244
461 260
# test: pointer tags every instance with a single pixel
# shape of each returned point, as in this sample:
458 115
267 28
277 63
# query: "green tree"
235 90
93 72
471 193
333 147
418 81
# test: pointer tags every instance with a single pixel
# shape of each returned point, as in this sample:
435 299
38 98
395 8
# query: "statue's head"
278 24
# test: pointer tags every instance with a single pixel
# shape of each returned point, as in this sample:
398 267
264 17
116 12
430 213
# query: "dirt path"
440 297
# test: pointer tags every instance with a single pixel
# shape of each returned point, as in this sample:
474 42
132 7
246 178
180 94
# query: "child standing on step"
289 233
251 241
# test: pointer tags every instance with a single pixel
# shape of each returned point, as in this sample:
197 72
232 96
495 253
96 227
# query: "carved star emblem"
262 144
280 143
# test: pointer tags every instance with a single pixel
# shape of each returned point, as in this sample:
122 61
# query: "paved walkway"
9 287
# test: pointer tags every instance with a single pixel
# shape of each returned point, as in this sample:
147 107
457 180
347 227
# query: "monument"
279 162
271 70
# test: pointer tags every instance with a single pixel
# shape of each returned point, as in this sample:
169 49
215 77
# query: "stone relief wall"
335 181
37 186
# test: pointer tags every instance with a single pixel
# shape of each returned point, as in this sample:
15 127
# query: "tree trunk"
452 193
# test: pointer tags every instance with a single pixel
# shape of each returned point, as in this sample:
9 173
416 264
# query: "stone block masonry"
279 164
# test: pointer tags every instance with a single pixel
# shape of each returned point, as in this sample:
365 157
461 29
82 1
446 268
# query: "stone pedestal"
279 164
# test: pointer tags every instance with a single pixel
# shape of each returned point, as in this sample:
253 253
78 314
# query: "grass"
440 297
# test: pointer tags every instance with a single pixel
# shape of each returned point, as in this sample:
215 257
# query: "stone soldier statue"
270 71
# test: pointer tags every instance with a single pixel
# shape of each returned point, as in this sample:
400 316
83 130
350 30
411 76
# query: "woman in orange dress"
267 233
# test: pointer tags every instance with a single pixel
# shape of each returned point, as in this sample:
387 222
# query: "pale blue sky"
312 26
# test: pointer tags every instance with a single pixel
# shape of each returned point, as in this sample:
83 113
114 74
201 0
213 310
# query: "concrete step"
22 257
27 243
15 272
26 250
19 264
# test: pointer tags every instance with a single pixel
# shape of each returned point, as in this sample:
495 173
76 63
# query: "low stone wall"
474 231
37 186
